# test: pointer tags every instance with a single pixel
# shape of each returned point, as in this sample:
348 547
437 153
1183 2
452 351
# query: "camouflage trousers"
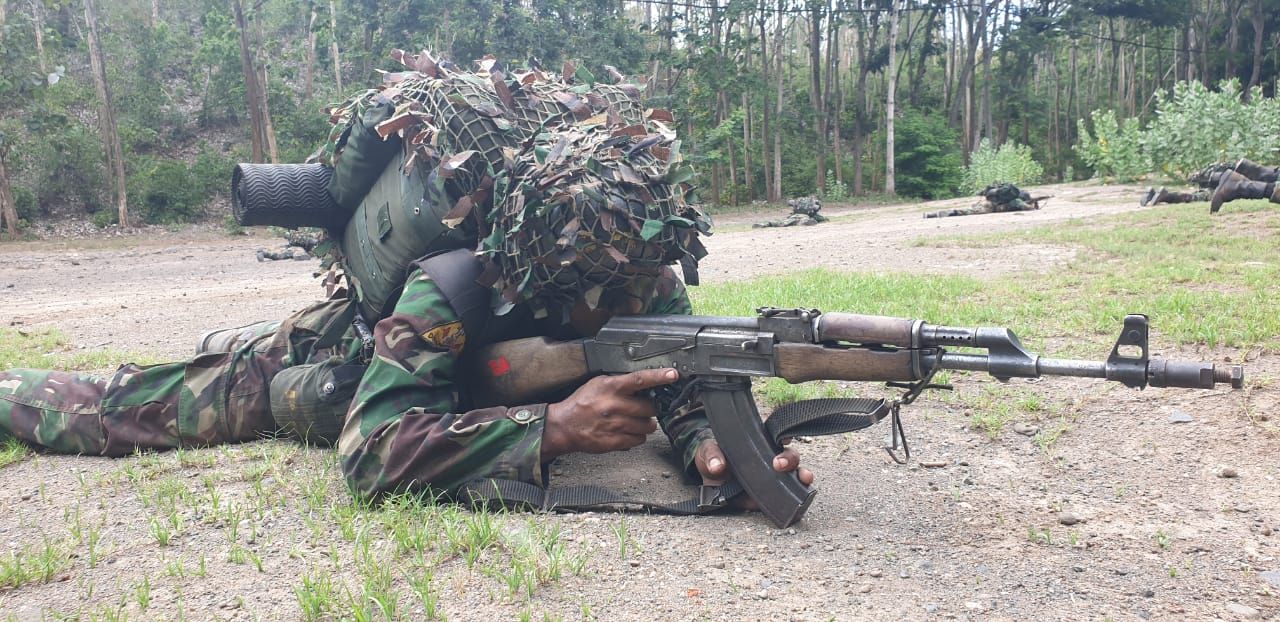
217 397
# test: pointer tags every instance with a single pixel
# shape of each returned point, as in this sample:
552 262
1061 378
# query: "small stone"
1272 577
1180 417
1067 518
876 574
1026 429
1228 473
904 575
931 608
1077 568
26 496
718 565
762 594
933 464
865 588
1148 593
635 563
1244 611
828 548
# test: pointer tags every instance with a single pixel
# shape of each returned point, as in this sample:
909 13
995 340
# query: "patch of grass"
776 391
50 349
34 563
1201 280
12 451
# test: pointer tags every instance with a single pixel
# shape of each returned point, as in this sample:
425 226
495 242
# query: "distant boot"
231 339
1150 196
1236 186
1258 172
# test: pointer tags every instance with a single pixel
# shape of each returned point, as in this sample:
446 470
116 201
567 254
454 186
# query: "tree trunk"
1259 20
337 62
310 70
250 84
8 210
106 114
747 139
890 185
816 95
37 18
264 91
765 109
777 129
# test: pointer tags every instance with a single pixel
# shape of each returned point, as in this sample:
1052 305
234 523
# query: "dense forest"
135 110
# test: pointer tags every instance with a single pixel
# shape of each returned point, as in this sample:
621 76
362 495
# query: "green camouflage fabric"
586 210
804 213
216 397
404 431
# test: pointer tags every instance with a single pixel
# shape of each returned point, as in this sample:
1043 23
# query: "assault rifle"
718 356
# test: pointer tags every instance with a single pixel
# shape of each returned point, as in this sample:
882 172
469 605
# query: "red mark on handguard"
499 366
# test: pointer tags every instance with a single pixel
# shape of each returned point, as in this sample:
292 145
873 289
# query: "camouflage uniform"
217 397
404 430
995 198
804 212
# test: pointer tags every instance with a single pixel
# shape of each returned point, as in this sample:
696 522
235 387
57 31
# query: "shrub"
927 159
165 191
1195 126
836 190
1114 149
1011 163
25 202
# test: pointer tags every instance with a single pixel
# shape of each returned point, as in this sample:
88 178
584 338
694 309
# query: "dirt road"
1122 515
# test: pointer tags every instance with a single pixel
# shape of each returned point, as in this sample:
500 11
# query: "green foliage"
1195 126
1011 163
836 190
164 191
927 160
1113 149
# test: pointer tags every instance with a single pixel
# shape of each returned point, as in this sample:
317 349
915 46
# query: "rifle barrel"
1044 366
1158 372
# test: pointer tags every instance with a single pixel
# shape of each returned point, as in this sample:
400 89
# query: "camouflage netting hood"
571 187
589 209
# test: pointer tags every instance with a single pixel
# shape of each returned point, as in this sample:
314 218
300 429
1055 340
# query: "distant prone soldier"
804 212
1221 182
299 239
1206 179
995 198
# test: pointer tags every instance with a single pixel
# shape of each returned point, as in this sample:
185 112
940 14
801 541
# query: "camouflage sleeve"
687 427
403 434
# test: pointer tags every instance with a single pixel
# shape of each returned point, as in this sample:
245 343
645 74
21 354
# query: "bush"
927 159
1011 163
1195 126
165 191
1113 149
836 190
25 202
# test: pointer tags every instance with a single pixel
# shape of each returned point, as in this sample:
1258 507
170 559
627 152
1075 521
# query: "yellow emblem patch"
446 337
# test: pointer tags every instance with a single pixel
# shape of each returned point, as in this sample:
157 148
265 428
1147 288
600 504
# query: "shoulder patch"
446 337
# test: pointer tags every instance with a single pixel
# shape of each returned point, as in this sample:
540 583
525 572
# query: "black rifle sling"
815 417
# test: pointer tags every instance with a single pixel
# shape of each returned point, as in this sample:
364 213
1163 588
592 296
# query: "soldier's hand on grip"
607 413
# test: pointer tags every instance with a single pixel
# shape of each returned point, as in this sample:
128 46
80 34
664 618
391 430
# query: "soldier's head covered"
590 215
